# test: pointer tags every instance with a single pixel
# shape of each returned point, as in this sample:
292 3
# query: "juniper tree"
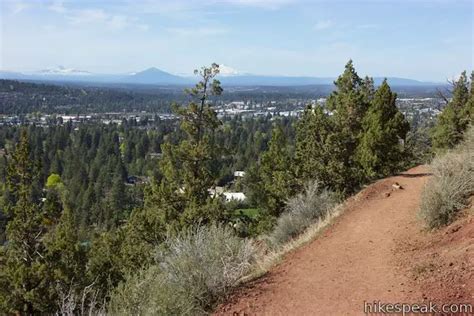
66 261
467 115
349 104
368 89
312 159
452 121
380 151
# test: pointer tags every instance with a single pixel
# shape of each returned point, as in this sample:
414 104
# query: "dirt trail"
356 259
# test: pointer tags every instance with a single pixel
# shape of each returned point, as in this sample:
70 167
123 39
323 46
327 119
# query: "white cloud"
17 6
118 22
269 4
185 8
197 31
111 22
323 25
57 6
87 16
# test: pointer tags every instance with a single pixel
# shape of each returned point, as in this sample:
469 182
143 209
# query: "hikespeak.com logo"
378 307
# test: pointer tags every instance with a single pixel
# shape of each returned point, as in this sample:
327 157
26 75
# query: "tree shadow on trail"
414 175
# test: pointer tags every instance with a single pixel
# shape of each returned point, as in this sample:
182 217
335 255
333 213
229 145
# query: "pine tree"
188 168
380 151
193 157
277 180
23 283
451 122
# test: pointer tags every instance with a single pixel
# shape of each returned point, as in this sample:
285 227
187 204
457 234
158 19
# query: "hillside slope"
376 250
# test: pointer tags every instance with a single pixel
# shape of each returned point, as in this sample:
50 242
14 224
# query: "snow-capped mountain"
225 71
153 76
61 70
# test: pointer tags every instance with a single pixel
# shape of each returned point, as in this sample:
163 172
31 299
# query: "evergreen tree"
380 151
66 260
368 89
452 121
277 181
189 169
189 164
349 104
312 158
105 262
23 281
348 101
467 115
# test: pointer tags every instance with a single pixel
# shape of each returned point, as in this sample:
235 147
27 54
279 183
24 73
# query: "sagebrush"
451 185
302 210
197 268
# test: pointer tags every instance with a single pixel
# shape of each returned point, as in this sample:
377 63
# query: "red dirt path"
374 251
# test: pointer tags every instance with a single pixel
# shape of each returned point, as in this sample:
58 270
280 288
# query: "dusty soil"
442 262
375 251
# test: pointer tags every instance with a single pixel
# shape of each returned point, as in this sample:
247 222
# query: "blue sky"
427 40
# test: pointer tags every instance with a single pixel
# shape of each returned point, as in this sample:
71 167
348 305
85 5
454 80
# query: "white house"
234 196
239 174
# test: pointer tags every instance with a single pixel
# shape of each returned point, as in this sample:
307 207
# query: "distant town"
424 109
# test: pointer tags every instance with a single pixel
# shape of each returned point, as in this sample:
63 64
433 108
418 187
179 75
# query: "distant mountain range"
155 76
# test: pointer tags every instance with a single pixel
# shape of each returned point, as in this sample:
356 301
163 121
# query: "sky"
419 39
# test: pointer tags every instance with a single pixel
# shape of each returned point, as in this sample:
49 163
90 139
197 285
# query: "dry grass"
447 192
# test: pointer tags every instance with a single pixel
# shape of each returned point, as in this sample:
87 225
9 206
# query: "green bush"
451 185
302 210
199 266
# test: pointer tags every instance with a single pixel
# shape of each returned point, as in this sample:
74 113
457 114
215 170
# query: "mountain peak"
152 69
61 70
154 75
225 70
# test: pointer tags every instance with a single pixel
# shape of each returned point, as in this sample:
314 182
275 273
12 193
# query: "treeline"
93 162
104 167
77 236
22 98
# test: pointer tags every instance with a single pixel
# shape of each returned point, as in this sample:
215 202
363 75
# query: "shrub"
301 211
198 267
451 185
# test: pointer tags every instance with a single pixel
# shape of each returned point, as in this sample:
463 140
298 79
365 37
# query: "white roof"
238 196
